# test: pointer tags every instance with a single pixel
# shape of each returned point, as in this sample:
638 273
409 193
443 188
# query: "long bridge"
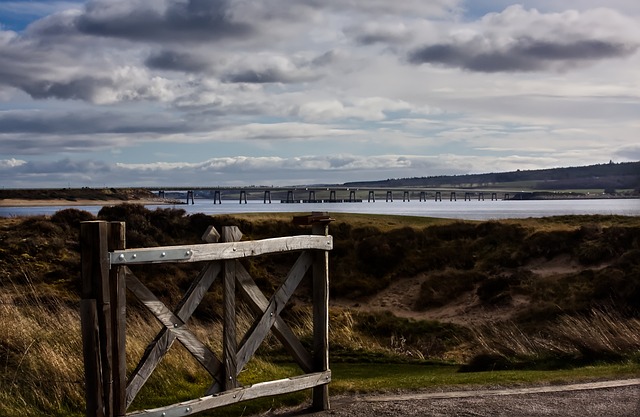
293 195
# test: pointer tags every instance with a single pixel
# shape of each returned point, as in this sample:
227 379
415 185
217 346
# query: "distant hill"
608 177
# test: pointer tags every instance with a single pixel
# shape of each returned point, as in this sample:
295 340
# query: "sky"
119 93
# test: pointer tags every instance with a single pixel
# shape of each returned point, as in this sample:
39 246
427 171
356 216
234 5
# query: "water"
466 210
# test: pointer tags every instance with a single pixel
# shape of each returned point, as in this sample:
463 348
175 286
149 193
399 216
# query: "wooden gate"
106 276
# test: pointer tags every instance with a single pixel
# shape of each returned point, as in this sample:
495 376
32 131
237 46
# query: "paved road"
600 399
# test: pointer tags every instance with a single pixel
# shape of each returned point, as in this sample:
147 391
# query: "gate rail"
106 277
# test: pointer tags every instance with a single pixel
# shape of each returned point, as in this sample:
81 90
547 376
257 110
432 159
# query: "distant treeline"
624 175
72 194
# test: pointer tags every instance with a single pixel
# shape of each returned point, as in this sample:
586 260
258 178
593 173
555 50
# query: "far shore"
16 202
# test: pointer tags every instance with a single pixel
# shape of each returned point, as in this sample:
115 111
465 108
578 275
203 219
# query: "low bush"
443 287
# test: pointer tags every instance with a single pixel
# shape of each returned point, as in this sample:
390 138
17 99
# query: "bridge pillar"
312 196
267 196
161 193
372 196
481 197
190 196
453 196
438 196
352 196
506 196
332 196
389 196
216 197
243 195
467 196
494 196
290 196
423 196
405 196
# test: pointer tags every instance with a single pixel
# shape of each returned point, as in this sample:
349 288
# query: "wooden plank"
163 341
229 341
234 396
91 357
117 292
320 397
223 251
174 324
258 303
95 285
261 328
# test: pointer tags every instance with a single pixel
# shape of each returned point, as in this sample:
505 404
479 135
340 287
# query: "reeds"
602 334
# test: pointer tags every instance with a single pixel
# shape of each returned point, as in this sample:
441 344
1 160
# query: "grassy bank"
576 320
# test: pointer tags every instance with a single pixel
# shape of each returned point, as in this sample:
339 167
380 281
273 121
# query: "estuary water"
465 210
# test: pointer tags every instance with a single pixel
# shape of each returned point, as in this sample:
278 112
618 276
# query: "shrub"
441 288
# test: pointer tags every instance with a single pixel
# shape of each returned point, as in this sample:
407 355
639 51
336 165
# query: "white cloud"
11 163
367 88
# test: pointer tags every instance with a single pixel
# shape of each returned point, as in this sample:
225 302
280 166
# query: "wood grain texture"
263 389
224 251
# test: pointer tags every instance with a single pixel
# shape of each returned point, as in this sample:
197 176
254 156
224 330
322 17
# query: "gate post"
102 314
95 310
320 397
117 294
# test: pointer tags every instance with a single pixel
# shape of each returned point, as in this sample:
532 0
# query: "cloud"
371 108
270 68
86 122
11 163
522 55
376 32
185 61
163 21
519 40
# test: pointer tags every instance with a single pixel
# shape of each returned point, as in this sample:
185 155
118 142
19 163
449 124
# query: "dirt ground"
605 399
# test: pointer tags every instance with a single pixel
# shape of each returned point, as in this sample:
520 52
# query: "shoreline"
19 202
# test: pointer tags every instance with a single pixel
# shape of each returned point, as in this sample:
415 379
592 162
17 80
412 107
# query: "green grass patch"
367 378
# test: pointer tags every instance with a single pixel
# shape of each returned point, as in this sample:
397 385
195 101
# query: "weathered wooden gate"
106 276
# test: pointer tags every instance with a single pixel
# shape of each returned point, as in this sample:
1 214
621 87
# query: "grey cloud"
192 20
178 61
370 34
84 88
269 75
524 55
78 123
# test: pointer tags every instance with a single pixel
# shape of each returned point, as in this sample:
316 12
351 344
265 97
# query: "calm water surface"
467 210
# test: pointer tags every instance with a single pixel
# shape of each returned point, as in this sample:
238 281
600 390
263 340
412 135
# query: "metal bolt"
234 249
121 257
163 254
271 314
163 414
134 256
230 378
188 409
188 253
175 324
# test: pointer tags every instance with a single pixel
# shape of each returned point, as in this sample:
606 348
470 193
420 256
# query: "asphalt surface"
599 399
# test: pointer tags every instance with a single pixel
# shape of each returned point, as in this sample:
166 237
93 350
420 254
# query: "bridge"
296 195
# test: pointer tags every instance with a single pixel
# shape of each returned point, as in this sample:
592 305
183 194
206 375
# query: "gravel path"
601 399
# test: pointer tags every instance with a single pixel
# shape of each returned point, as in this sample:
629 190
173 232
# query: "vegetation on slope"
581 315
608 177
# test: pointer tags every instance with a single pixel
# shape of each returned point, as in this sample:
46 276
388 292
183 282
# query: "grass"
576 326
363 378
